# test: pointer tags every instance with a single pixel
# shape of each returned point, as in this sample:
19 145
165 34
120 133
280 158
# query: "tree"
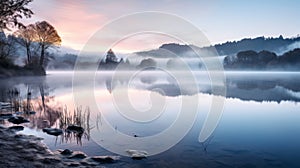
7 50
25 37
46 37
147 63
13 10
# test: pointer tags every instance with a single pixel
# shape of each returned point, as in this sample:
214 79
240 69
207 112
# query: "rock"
66 152
105 159
18 120
53 131
75 128
88 164
19 113
74 164
137 155
16 128
5 116
50 160
19 136
78 155
30 112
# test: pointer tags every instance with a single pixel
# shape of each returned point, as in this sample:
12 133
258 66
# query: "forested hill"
278 45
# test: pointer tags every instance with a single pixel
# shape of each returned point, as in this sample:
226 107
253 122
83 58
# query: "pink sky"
76 21
220 20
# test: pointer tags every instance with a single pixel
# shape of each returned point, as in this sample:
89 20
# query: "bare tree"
13 10
47 37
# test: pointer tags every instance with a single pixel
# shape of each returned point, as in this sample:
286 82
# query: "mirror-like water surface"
259 126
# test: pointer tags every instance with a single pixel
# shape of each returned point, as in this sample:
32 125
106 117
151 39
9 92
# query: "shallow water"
259 126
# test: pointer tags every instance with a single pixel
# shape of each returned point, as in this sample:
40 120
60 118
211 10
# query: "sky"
220 20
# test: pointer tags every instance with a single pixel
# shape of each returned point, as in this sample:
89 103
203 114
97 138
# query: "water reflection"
34 99
237 140
245 86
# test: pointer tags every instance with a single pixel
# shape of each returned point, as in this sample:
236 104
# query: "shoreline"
26 151
21 71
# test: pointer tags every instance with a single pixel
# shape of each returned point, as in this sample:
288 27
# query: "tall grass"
78 117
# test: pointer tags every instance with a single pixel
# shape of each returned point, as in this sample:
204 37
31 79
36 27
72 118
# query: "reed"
78 117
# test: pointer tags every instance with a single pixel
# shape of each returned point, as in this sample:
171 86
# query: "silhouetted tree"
147 63
13 10
265 57
47 37
290 58
247 57
25 37
7 50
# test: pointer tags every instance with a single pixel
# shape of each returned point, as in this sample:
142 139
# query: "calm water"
259 126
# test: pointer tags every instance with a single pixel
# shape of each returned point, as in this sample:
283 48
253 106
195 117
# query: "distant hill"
277 45
263 60
168 50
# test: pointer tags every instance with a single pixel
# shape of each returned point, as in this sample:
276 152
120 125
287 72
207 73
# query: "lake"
259 125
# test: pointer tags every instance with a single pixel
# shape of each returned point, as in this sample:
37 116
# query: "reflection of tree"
33 100
264 88
46 108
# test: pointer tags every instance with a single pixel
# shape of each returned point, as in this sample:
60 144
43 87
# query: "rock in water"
5 116
18 120
105 159
75 128
16 128
78 155
137 155
19 113
53 131
30 112
66 152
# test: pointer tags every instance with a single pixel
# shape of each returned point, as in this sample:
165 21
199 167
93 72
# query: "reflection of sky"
249 133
